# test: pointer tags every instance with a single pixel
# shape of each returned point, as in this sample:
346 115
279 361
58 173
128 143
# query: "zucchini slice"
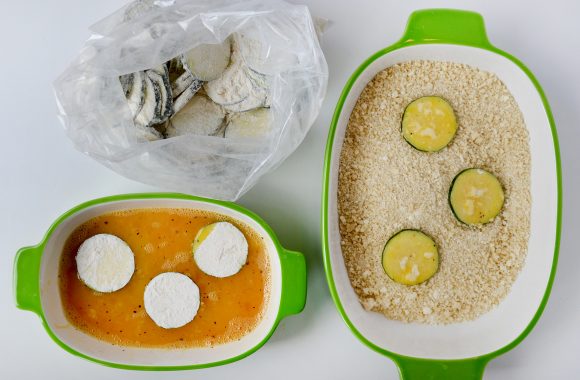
150 105
239 88
200 117
134 86
160 79
207 61
105 263
254 123
171 300
220 249
410 257
181 83
476 196
429 124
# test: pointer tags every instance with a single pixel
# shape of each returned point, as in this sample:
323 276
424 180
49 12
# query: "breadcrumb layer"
385 185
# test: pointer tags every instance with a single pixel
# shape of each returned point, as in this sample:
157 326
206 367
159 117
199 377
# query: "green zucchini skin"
449 197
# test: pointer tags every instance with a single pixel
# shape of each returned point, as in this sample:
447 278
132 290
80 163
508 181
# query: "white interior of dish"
504 323
88 345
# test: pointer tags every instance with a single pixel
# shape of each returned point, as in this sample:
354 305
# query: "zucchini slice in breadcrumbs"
410 257
429 124
476 196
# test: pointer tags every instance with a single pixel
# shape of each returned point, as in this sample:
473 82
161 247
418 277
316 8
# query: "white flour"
238 89
105 263
171 300
200 116
254 123
223 252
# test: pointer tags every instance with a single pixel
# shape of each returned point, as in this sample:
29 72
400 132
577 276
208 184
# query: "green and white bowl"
460 350
37 290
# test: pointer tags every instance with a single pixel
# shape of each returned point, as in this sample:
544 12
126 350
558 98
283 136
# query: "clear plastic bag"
147 33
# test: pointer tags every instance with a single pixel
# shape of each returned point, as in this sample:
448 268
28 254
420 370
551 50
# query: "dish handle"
425 369
293 283
26 279
445 26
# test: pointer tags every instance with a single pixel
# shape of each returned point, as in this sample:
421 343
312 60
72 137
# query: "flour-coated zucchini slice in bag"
476 196
200 116
127 83
237 89
181 83
261 87
186 95
136 96
410 257
158 101
207 62
256 123
257 97
251 50
147 112
133 85
429 123
232 87
163 94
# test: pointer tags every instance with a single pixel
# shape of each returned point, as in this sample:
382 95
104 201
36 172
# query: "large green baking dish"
459 350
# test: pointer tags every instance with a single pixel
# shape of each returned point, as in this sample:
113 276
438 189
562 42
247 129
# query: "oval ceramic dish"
459 350
36 288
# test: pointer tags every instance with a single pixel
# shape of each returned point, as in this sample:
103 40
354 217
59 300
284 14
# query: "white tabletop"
43 176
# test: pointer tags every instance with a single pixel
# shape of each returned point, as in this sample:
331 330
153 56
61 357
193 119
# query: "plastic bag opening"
145 34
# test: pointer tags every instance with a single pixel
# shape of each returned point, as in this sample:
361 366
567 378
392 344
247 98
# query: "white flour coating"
238 89
251 50
207 61
171 299
255 123
200 116
105 263
223 252
147 112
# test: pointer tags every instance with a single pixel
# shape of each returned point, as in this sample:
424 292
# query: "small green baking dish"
36 288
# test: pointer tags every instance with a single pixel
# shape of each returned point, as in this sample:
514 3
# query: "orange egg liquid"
161 240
